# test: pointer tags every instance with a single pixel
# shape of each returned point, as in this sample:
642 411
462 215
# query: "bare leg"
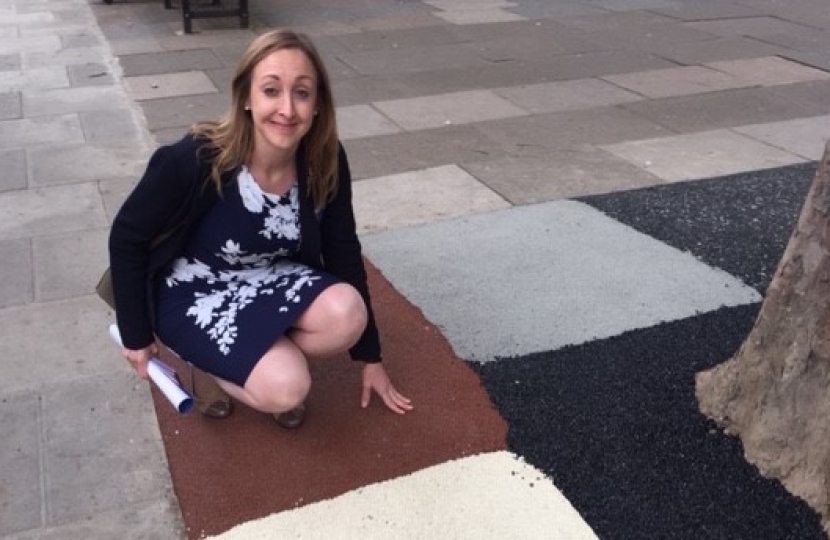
280 380
332 323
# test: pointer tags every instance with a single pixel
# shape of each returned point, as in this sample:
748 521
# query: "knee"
280 392
347 311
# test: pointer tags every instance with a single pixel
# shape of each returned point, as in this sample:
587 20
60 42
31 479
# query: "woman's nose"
286 106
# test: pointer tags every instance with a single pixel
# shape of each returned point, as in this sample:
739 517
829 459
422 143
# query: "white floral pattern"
228 290
281 221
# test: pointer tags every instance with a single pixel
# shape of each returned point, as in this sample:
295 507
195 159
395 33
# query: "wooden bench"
214 9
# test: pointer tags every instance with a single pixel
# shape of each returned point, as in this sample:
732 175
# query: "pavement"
568 208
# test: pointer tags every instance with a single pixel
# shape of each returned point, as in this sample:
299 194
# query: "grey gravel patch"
545 276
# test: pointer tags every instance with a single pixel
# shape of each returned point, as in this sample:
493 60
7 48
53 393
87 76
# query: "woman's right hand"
140 358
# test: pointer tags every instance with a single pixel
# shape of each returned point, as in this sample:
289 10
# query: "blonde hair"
231 138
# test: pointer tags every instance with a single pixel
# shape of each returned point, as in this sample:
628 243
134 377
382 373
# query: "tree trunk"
775 392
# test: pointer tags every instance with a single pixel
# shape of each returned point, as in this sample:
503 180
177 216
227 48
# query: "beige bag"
104 287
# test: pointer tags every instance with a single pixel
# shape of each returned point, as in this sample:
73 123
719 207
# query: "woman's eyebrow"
276 77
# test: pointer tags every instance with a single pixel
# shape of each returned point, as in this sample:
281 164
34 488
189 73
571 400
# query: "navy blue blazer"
173 195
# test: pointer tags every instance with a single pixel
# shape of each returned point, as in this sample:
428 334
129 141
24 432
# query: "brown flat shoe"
221 408
291 419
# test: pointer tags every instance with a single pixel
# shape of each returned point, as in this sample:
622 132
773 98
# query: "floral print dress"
235 290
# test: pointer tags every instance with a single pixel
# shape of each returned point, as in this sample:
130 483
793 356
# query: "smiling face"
282 100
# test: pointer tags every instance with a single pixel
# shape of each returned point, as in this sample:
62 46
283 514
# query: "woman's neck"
275 174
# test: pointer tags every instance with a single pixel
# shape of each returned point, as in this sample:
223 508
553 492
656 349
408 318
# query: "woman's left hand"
375 379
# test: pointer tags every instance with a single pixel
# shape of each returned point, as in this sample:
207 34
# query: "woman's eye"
303 93
270 92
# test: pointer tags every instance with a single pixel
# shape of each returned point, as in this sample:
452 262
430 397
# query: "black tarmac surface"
615 423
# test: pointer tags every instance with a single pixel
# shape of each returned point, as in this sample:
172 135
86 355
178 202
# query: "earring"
247 108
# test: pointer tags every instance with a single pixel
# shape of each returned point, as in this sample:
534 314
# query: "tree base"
775 392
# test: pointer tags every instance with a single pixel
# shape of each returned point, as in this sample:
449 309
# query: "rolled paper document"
164 378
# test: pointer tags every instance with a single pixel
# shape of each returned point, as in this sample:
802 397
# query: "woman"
238 247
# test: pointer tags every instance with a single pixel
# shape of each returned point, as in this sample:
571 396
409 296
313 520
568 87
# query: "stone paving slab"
41 130
702 155
83 350
11 106
13 18
566 95
150 520
358 121
627 5
559 174
541 9
810 13
116 128
180 112
548 31
169 62
169 135
20 464
701 11
14 170
73 33
135 45
132 29
769 71
165 85
446 109
90 74
757 27
116 460
537 42
114 191
71 164
60 209
648 38
725 109
808 38
597 64
16 285
815 95
58 270
480 16
235 38
420 197
221 79
15 81
74 471
449 80
74 36
426 58
350 92
726 48
64 57
681 81
534 136
817 59
9 62
28 45
616 19
805 137
608 277
400 39
68 100
410 151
